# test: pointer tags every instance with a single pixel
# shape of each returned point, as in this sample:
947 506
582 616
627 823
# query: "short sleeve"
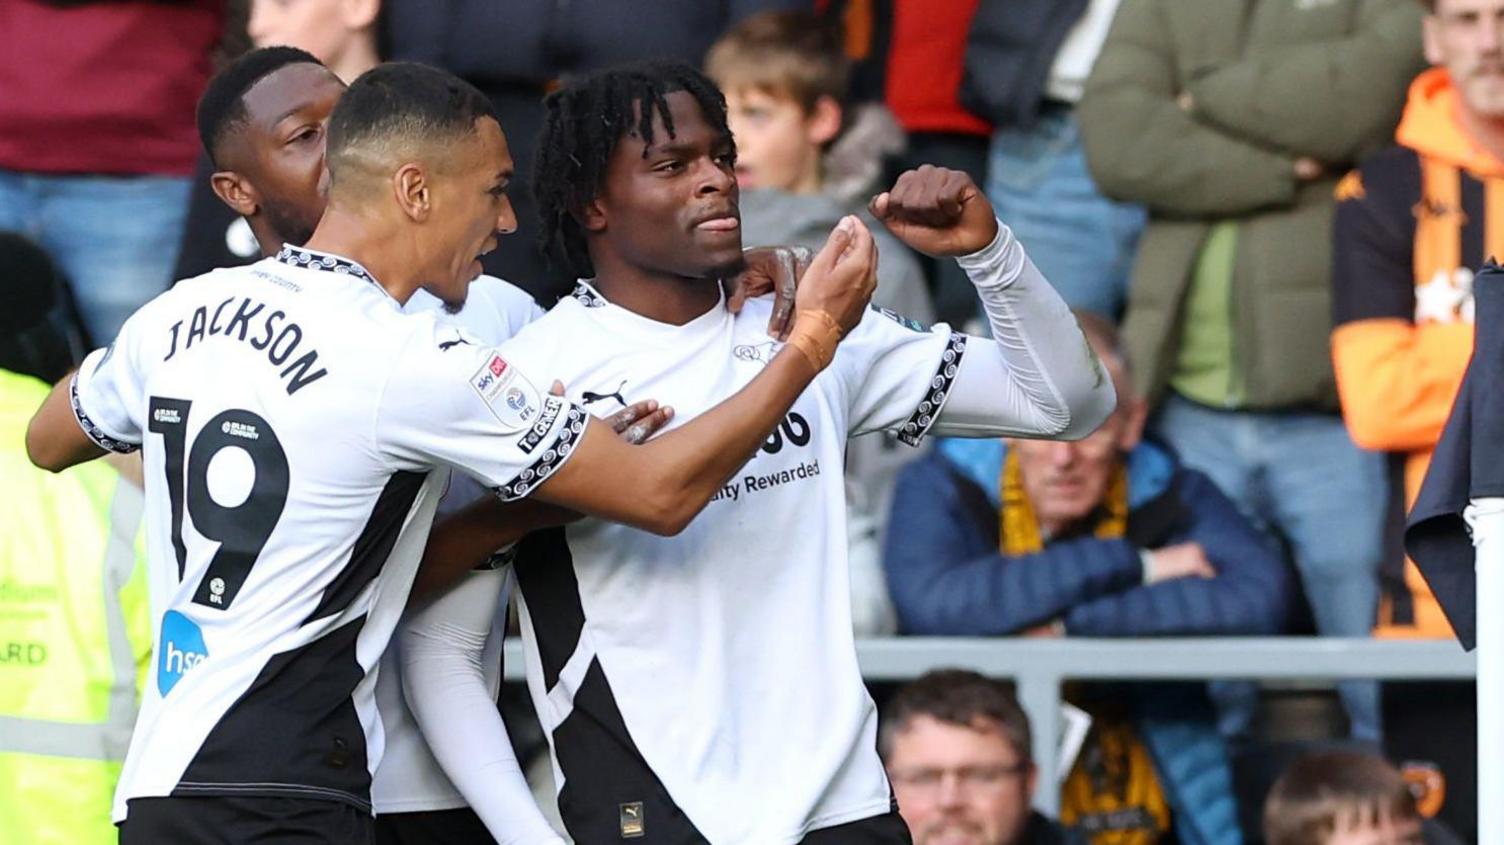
470 408
898 373
108 393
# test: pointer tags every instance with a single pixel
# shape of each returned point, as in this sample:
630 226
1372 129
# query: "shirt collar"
312 259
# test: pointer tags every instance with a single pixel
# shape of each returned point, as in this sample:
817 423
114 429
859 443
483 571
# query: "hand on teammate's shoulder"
937 211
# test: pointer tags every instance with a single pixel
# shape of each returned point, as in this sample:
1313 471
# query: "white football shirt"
292 419
705 686
409 778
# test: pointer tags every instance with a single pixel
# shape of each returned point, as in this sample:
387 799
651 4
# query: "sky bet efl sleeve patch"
510 396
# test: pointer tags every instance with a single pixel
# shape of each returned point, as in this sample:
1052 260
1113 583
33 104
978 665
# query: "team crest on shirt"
511 398
760 352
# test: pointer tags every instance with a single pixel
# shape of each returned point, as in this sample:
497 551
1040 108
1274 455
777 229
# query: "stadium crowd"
1265 215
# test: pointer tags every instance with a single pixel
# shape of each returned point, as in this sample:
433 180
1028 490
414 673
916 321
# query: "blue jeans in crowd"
1081 241
116 238
1301 477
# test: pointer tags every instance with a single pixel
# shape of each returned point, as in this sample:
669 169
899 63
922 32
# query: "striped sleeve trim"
92 430
923 418
551 459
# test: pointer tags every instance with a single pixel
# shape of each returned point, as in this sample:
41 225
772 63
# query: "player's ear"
412 191
592 216
824 121
236 192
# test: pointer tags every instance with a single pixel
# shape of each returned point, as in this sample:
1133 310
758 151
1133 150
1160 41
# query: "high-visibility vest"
75 636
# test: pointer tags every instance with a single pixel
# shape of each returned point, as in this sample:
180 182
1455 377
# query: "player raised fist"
937 211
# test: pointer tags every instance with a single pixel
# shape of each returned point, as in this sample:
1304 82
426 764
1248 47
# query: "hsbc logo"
181 650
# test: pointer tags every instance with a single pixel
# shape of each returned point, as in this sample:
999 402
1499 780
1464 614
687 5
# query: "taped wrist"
815 335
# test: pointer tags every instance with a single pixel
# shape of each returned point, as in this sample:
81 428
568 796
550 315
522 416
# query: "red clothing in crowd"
104 88
924 66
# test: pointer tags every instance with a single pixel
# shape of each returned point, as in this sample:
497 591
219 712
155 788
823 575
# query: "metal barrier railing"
1039 667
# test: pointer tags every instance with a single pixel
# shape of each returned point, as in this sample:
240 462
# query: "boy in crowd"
805 158
1345 798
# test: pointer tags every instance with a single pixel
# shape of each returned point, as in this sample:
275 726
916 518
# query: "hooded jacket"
1269 81
1413 223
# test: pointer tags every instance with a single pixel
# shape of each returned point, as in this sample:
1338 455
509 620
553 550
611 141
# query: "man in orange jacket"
1413 223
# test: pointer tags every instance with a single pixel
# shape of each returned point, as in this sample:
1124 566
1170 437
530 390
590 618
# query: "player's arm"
1037 376
54 438
464 539
442 644
660 486
93 410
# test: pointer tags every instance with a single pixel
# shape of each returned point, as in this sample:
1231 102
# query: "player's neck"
266 237
662 297
365 241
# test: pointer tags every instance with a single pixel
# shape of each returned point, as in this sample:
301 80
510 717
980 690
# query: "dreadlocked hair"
585 121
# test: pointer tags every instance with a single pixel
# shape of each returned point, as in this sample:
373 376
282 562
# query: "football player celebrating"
704 686
297 426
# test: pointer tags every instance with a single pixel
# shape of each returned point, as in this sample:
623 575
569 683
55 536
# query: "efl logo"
182 648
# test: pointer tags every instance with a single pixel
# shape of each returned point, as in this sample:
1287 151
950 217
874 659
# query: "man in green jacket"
1230 120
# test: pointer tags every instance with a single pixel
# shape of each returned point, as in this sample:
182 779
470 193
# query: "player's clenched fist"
937 211
834 292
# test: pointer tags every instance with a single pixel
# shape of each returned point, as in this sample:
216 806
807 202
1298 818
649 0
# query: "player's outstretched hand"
937 211
841 277
637 422
640 420
770 269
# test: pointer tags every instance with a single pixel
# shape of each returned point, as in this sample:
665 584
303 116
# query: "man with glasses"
957 749
1108 536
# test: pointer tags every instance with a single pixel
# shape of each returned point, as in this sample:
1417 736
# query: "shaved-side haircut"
399 108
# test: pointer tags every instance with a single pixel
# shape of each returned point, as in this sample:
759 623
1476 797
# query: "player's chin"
722 258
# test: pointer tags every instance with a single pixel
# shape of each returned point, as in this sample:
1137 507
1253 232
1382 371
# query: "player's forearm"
661 485
442 645
1043 353
54 440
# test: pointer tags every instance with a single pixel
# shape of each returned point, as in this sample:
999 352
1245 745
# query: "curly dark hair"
586 119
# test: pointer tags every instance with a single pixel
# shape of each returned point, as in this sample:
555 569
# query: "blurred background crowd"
1267 214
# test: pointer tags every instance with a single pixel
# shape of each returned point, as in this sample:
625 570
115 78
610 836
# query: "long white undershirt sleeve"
447 693
1038 367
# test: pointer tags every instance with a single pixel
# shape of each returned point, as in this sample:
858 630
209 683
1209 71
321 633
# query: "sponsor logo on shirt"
588 397
632 826
911 325
512 399
182 649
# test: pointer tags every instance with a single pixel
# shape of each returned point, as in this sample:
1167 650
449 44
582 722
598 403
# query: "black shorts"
886 829
439 827
244 820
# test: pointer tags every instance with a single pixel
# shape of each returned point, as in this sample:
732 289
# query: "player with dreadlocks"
704 687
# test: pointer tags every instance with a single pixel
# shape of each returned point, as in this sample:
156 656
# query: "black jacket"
1008 56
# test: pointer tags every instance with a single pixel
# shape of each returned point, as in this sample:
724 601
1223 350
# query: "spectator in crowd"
1106 536
805 160
75 627
345 36
959 755
1026 66
515 51
1228 125
922 83
1346 798
96 101
1413 223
